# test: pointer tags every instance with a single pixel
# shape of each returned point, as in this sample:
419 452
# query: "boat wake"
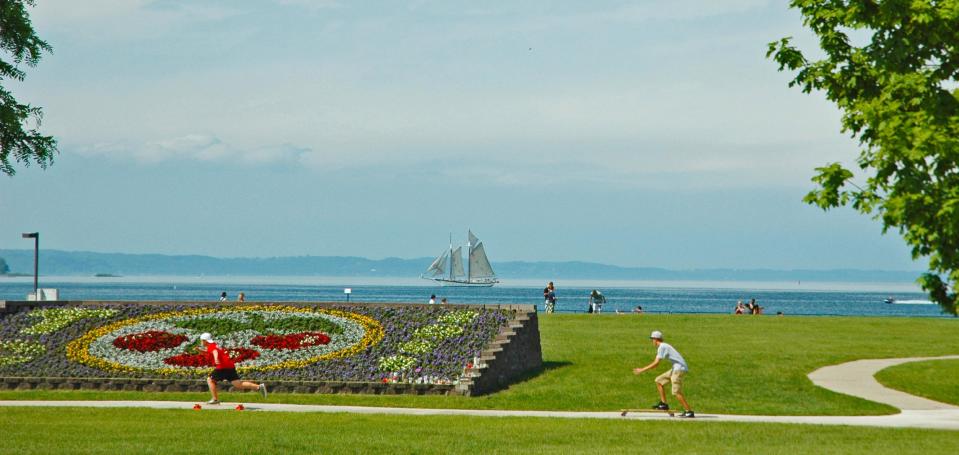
913 302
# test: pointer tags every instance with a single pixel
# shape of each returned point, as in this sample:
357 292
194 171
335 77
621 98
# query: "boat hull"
463 284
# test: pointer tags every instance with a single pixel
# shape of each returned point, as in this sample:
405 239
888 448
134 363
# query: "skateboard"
671 413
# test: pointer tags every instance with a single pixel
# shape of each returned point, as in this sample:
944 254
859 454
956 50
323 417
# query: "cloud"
197 147
684 9
311 5
125 20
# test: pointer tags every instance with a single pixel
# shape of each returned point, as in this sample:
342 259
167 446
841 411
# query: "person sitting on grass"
740 308
224 370
674 375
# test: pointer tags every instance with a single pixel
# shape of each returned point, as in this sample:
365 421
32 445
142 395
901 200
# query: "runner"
224 370
674 375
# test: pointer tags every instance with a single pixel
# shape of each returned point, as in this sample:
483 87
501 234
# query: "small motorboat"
890 300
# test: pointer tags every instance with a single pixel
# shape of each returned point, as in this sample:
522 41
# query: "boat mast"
469 254
451 256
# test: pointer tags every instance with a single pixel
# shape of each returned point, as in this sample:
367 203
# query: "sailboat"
447 269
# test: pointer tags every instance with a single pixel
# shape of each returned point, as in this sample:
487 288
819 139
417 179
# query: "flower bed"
356 343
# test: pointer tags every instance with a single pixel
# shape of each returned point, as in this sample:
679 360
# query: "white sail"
458 263
438 267
447 268
479 263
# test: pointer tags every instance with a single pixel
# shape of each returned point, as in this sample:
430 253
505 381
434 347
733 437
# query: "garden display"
360 343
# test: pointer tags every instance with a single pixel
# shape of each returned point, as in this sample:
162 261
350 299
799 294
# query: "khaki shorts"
673 376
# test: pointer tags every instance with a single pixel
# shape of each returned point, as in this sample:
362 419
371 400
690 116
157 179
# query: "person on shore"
223 296
443 301
638 309
550 292
754 307
241 297
596 301
674 375
432 299
224 370
740 308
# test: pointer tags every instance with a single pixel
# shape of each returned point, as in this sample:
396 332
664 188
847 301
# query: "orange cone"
240 407
197 407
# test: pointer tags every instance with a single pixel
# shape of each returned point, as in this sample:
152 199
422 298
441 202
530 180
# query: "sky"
643 133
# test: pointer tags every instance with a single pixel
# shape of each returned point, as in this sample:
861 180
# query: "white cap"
657 335
207 337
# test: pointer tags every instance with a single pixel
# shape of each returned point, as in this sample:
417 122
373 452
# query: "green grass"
739 365
934 379
146 431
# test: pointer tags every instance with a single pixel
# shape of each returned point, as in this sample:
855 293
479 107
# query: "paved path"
942 419
852 378
857 378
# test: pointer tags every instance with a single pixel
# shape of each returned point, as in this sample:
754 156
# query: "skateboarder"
674 375
224 370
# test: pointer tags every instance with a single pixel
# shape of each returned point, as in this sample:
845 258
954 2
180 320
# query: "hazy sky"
644 133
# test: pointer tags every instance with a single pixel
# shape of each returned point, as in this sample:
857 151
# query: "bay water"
814 299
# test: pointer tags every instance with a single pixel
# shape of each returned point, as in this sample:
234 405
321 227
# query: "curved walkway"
857 378
852 378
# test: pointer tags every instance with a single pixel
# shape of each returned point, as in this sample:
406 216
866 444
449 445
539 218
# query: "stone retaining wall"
199 385
514 353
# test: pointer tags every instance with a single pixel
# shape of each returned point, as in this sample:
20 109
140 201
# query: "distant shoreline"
79 263
298 280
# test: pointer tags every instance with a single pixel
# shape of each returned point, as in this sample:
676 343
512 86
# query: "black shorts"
225 374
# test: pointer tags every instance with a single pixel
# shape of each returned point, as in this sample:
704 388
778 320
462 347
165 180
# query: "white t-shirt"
668 352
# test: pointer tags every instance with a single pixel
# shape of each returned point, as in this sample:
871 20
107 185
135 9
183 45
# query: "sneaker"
262 390
213 402
688 414
662 406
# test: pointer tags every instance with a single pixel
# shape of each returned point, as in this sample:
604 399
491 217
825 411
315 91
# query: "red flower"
149 341
203 360
291 341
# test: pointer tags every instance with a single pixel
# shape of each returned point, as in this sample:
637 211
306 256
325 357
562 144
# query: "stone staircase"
514 352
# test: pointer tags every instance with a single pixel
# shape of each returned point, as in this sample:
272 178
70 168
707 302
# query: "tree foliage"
20 136
896 94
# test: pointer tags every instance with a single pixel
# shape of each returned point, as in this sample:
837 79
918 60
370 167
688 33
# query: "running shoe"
688 414
262 390
213 402
662 406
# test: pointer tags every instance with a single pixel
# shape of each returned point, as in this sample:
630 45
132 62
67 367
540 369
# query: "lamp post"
36 259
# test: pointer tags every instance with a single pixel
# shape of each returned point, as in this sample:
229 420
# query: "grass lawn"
935 379
739 365
144 431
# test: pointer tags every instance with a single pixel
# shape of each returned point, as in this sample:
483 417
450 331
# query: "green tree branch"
894 96
20 137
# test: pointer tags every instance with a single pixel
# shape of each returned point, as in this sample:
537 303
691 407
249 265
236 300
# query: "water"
824 299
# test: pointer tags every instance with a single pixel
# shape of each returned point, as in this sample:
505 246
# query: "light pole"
36 259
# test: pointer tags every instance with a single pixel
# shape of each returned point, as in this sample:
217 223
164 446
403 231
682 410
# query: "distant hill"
56 262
